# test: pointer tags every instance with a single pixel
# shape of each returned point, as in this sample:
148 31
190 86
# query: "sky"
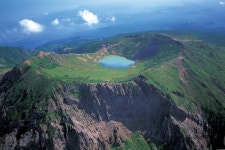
31 23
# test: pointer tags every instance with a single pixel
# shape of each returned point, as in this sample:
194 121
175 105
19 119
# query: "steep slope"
10 57
173 96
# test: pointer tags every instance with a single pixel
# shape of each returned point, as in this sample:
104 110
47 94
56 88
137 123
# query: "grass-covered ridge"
195 77
146 49
184 67
187 69
28 89
82 68
38 77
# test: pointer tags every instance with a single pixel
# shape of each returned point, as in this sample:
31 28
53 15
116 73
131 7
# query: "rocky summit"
173 97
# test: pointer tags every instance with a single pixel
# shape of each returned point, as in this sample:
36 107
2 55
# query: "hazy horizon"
31 23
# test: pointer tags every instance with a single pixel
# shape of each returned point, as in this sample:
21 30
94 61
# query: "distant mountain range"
62 98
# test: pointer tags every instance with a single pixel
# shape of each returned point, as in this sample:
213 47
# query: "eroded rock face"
98 116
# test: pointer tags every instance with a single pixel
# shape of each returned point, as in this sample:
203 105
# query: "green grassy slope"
184 67
188 69
41 75
81 68
136 141
85 67
10 57
27 94
205 71
204 75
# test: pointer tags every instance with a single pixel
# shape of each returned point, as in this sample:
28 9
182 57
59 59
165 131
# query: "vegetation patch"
135 141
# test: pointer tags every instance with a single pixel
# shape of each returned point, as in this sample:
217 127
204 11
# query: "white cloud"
222 3
55 22
89 17
29 26
113 19
66 19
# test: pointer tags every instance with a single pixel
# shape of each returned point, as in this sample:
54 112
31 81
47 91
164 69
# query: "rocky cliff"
99 116
173 96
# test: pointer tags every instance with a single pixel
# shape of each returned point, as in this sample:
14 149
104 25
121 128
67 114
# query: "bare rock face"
141 107
98 116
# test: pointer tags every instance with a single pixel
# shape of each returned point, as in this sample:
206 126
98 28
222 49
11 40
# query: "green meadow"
186 69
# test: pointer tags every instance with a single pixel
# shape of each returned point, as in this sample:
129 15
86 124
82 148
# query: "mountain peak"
172 97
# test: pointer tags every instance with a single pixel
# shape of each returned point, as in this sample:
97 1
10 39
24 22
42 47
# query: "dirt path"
181 69
83 59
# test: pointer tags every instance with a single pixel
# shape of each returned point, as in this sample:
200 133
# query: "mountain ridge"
169 95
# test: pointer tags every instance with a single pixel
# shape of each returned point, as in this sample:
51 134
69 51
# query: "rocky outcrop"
98 116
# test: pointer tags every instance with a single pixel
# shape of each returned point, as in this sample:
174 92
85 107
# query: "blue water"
117 62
